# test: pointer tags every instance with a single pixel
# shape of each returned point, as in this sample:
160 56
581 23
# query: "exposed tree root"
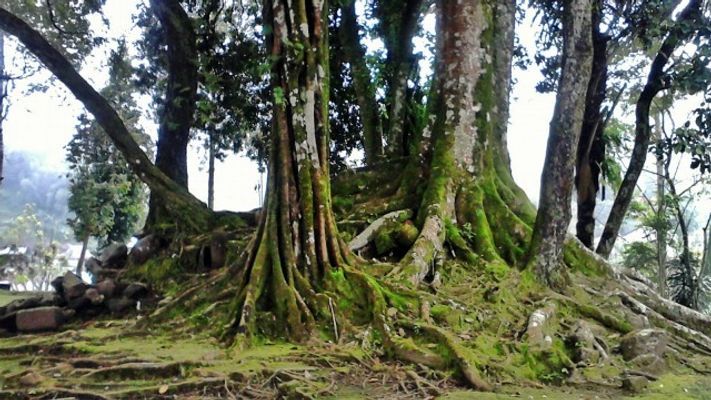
368 234
139 370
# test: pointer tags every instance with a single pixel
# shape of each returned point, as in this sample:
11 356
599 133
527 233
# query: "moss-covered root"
407 350
419 261
457 353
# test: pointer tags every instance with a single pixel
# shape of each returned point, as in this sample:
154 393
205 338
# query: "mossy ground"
476 315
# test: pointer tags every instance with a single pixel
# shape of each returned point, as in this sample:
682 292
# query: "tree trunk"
554 209
3 105
661 227
211 175
297 251
186 211
591 147
82 255
656 82
687 294
398 32
364 88
176 113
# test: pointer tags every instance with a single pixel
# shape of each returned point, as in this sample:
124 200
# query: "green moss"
580 260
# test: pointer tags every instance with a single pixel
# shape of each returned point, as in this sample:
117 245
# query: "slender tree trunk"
399 30
656 82
211 175
661 229
176 113
3 105
185 210
364 88
82 255
591 148
554 209
687 296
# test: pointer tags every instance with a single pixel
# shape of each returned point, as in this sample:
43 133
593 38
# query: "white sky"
42 123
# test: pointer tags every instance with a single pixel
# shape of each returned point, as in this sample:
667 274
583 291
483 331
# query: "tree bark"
187 211
3 105
178 108
297 248
591 147
82 255
398 32
364 88
661 228
657 81
554 211
211 175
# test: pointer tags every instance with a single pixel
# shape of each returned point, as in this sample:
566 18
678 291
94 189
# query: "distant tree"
107 198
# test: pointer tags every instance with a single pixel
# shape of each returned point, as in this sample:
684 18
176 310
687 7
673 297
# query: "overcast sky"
42 123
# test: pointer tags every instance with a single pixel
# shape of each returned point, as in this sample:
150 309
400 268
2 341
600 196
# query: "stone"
93 265
583 341
72 286
39 319
634 384
642 342
94 296
49 299
120 305
650 363
8 321
114 256
144 249
107 288
23 304
135 291
218 252
31 379
57 285
79 304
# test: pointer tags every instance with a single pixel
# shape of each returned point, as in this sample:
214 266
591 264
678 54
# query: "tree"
106 197
180 207
554 214
3 96
685 26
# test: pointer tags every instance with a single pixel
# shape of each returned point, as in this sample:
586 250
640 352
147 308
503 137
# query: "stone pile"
74 298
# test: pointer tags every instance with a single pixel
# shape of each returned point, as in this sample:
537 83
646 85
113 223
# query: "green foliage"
641 256
107 199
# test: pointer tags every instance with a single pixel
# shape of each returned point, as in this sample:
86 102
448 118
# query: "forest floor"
124 358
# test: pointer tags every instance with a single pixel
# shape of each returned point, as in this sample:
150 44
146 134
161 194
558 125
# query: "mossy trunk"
176 112
462 157
554 209
297 250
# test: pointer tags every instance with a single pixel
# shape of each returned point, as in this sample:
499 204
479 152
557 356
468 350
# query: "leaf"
163 389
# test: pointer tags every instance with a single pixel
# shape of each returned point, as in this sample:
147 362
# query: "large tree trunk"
185 210
362 82
462 157
656 82
176 114
554 209
297 248
591 147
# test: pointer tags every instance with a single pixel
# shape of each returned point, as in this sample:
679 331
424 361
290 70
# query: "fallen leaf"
163 389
